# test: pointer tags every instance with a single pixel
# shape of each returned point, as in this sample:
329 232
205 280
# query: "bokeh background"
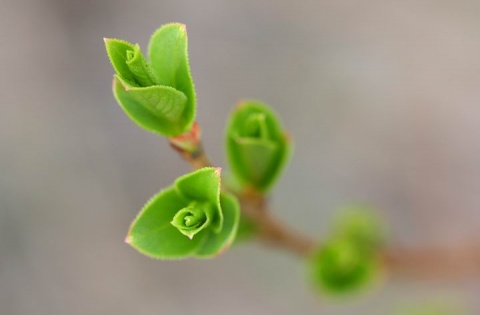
382 98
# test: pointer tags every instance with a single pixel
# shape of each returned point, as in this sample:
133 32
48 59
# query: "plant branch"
254 206
197 158
189 146
433 262
271 230
418 263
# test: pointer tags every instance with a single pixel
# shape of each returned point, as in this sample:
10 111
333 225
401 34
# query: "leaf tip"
218 171
128 239
125 86
183 27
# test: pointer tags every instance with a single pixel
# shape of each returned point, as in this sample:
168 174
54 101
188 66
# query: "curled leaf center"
130 55
256 126
191 220
139 67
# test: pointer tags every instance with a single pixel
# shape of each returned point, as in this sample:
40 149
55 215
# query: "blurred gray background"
382 98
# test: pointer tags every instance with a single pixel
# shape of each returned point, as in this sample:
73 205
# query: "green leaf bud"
257 147
191 218
139 68
159 95
342 266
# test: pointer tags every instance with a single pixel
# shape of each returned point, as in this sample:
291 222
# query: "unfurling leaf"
350 259
257 146
159 95
191 218
342 266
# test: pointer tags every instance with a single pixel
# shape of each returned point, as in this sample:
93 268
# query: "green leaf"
139 67
341 266
192 219
183 220
254 158
168 54
216 243
117 50
203 185
152 234
156 108
257 147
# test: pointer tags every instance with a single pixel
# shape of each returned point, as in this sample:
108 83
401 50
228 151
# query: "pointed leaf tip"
183 26
168 53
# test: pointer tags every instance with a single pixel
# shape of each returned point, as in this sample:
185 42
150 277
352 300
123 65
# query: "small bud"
343 266
257 146
191 218
140 69
158 96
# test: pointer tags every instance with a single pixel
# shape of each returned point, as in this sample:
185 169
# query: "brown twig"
431 262
197 159
271 230
190 147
